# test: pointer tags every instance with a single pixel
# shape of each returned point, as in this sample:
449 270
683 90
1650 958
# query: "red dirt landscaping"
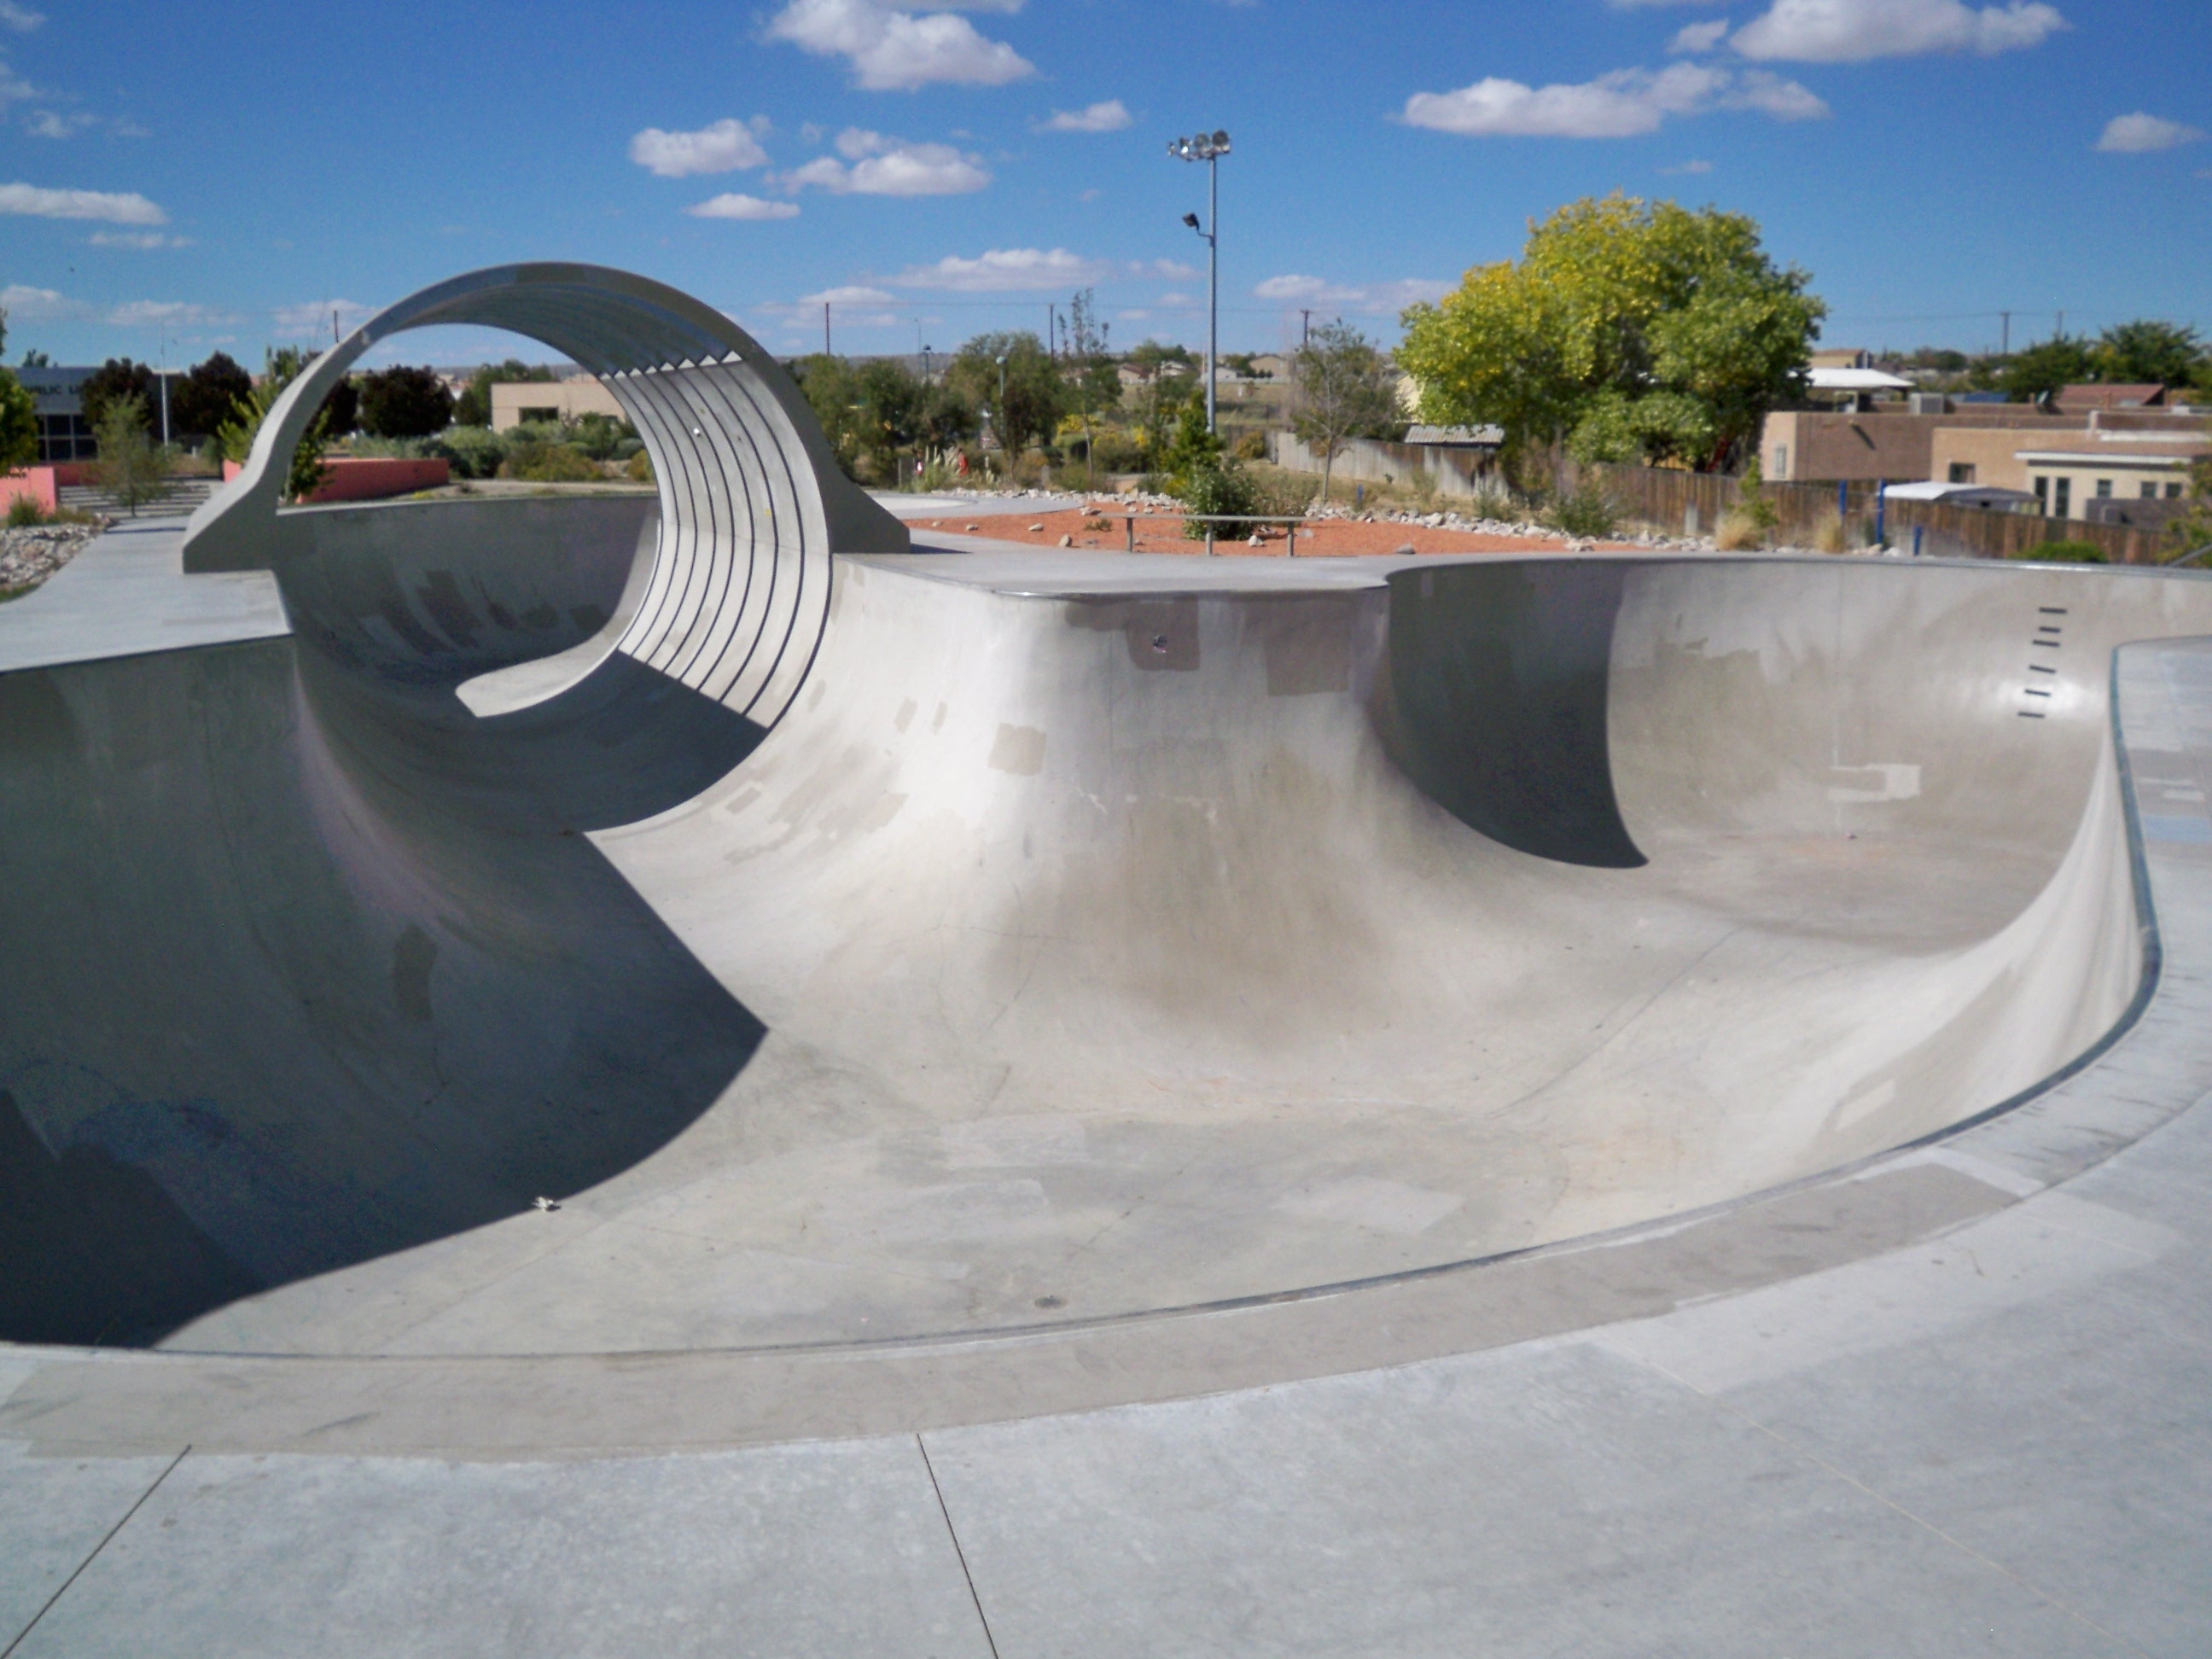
1328 538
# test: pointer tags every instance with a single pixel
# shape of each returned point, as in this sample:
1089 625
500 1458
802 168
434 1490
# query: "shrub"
471 452
1751 498
640 468
1585 512
1219 490
2065 553
24 511
1493 500
1828 535
1738 531
1113 450
1250 446
544 463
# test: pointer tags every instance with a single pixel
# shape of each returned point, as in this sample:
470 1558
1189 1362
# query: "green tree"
19 424
1035 396
2148 353
131 467
280 367
19 411
473 406
404 402
203 399
1670 332
117 380
1345 392
2042 370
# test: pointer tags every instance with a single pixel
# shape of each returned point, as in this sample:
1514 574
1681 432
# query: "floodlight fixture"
1209 147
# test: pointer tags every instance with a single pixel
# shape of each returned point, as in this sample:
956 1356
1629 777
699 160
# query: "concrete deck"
1930 1398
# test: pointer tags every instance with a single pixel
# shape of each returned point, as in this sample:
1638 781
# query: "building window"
2061 502
2173 492
2043 496
1962 473
1782 460
2104 489
2150 492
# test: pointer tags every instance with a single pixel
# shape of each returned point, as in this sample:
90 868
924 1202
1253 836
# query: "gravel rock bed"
30 554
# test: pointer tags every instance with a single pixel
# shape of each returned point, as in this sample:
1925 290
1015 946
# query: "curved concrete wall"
752 504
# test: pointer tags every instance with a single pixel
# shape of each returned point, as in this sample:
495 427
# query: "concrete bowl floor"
1084 942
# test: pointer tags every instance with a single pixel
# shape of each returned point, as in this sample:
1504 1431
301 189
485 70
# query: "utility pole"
2005 350
1209 147
826 328
2062 324
1305 329
164 388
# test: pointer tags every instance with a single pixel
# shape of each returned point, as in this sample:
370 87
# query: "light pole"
1209 147
1002 407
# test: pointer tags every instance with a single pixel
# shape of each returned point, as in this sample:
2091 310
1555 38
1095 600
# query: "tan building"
1823 446
2065 472
514 402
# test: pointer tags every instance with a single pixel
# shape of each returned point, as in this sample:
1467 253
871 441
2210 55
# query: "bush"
24 511
1494 502
1828 535
1250 446
601 436
1113 450
470 451
1585 512
543 463
1219 490
640 468
2065 553
1738 531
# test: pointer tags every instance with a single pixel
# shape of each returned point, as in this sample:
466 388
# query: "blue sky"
226 175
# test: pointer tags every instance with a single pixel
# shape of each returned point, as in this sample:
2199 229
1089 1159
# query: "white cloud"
13 87
1006 270
888 167
735 204
896 51
727 146
166 313
1854 31
2137 134
1699 37
1173 300
37 305
126 208
17 18
1373 296
1689 166
142 238
313 317
1109 116
1622 105
849 295
46 123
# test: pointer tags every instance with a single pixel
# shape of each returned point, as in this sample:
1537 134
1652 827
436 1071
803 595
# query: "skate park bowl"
624 925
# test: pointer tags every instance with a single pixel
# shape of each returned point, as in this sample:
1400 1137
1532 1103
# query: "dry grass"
1739 532
1828 535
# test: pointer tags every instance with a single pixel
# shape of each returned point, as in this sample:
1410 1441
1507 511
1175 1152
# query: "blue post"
1915 541
1882 512
1843 498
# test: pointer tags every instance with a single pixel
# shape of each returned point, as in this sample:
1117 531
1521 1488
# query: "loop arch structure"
752 503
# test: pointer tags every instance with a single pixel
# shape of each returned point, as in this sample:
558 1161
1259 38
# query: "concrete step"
175 495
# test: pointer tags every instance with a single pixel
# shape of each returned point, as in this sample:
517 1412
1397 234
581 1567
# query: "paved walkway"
1992 1440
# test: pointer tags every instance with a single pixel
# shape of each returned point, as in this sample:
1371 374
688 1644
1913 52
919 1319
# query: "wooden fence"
1679 503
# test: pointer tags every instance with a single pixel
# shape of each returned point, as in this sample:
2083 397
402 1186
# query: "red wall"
370 477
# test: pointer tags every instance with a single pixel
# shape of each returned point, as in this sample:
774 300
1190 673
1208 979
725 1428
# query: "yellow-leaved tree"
1630 330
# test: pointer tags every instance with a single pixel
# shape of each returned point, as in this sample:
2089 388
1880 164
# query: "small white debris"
545 1204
